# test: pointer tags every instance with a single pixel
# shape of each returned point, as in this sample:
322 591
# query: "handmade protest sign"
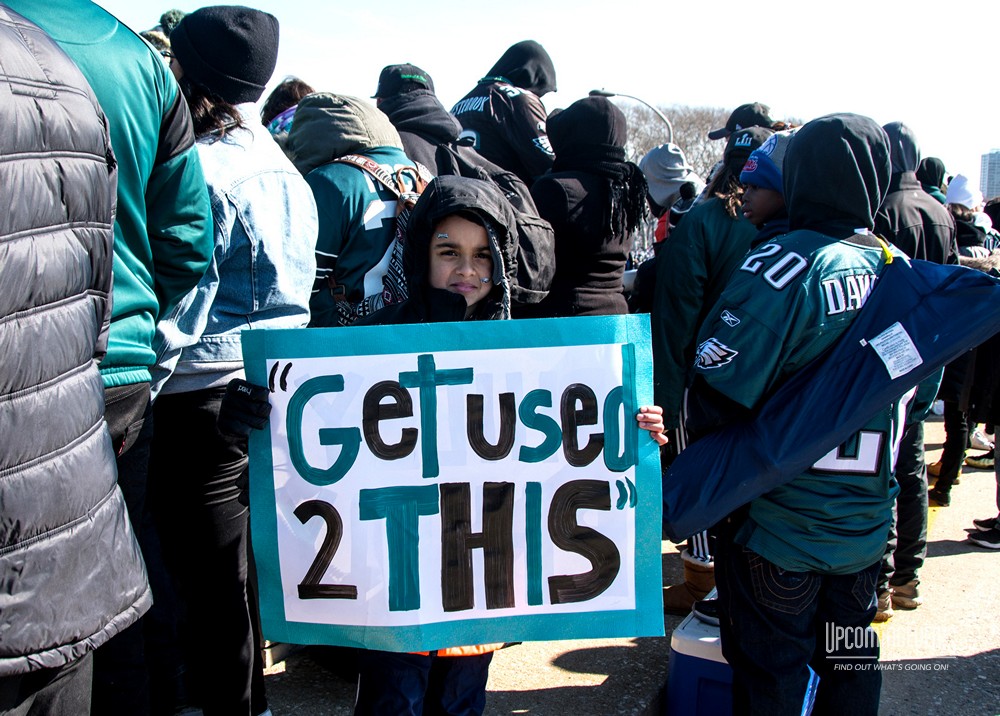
426 486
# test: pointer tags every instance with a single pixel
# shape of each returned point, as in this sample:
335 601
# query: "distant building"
989 176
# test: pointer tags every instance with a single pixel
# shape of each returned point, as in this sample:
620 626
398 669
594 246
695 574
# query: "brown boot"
699 580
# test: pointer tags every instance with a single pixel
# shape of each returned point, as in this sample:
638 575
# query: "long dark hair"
725 186
209 112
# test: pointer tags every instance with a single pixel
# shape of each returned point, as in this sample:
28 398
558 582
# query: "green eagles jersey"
357 225
788 302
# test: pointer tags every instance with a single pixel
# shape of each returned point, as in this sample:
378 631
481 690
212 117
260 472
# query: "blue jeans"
391 684
776 625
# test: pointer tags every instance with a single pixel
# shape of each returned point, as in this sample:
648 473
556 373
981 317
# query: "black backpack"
536 241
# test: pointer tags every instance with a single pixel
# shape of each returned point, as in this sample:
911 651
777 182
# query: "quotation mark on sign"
282 381
629 494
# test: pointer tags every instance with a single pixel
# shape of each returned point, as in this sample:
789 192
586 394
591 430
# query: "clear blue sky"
929 65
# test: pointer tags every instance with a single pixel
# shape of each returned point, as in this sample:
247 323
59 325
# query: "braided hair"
589 136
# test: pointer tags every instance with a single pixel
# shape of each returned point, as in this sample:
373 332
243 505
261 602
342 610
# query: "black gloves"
245 407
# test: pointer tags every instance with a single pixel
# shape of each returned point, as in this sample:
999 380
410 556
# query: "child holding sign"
459 264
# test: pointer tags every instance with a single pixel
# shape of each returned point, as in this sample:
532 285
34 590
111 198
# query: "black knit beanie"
230 49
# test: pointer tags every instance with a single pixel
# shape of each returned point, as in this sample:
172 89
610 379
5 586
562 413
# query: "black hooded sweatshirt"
910 218
504 116
430 136
839 189
971 238
423 124
930 174
444 196
594 200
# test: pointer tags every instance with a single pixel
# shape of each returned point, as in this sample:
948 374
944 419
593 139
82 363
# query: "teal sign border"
631 330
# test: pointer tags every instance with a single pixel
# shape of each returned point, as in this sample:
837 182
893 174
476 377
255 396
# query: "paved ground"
943 658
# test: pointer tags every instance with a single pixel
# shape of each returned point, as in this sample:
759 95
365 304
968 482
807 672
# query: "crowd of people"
154 213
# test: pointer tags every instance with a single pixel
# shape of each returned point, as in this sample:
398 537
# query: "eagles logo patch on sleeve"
713 354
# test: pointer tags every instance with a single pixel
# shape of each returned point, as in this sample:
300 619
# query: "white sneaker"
980 440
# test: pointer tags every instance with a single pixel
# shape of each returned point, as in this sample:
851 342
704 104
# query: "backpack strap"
419 175
374 168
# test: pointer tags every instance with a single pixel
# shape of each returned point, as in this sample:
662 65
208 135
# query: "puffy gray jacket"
71 575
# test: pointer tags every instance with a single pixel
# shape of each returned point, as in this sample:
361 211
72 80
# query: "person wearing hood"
405 93
666 170
963 203
264 224
919 226
803 559
930 174
355 248
432 294
430 136
671 186
594 200
458 256
910 219
764 197
458 260
503 114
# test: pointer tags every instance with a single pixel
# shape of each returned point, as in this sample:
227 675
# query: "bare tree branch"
691 127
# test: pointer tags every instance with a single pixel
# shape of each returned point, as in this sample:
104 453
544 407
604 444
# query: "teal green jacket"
163 229
692 268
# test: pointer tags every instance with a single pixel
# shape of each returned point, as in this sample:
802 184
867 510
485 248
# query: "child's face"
460 259
760 205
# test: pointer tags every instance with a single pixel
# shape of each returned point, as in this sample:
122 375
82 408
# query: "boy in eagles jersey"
796 568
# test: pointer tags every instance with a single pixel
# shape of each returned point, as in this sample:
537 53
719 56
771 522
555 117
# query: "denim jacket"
261 272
